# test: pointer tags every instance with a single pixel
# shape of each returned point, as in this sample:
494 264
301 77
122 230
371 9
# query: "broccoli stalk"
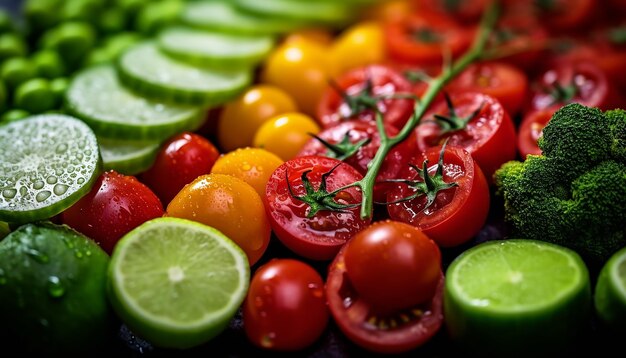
574 194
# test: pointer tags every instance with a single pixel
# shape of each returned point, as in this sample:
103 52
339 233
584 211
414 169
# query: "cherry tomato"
389 10
468 11
364 38
305 222
360 92
115 205
531 129
564 15
478 123
506 83
285 309
317 35
610 54
285 134
181 159
241 118
519 38
458 212
228 204
408 252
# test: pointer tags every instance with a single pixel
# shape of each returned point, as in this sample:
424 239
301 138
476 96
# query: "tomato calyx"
319 199
343 149
452 122
358 102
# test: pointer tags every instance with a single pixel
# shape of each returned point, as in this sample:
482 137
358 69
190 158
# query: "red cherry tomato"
311 233
285 309
403 329
565 15
115 205
357 93
465 11
488 132
457 213
531 129
181 159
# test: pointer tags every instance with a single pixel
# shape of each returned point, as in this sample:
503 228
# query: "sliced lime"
47 163
177 283
325 12
215 49
148 71
516 297
126 156
97 97
610 292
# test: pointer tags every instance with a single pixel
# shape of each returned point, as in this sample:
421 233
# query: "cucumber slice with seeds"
128 157
112 111
331 13
47 163
215 49
150 72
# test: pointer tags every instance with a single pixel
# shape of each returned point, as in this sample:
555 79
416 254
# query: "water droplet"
60 189
88 253
51 179
38 256
78 254
80 180
88 152
55 287
23 191
61 148
43 195
68 242
70 169
246 167
9 193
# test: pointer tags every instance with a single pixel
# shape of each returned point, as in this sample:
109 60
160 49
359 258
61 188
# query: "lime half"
610 292
516 297
177 283
47 163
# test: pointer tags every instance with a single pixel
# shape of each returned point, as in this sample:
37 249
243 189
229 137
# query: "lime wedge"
177 283
610 292
47 163
516 297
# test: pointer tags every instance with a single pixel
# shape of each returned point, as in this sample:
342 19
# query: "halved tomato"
531 129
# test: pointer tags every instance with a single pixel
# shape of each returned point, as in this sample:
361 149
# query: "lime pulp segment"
128 157
324 12
47 163
177 282
96 96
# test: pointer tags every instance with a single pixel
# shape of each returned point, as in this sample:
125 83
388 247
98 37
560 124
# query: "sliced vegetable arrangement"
320 178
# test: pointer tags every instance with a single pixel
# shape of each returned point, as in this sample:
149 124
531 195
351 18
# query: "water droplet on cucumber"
60 189
43 195
9 193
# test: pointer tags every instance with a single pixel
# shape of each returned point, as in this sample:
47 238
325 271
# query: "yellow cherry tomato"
300 68
389 10
252 165
241 118
285 134
360 45
228 204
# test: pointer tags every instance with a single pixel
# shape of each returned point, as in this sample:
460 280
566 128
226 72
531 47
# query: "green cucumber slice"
96 96
148 71
47 163
127 156
325 12
214 49
224 17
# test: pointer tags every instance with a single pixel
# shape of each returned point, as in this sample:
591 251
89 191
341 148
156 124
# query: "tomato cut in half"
393 333
358 93
531 129
475 121
461 196
307 212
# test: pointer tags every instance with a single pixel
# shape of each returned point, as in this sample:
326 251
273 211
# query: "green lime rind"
177 283
517 297
97 97
53 291
224 17
610 292
327 13
148 71
127 156
214 49
47 163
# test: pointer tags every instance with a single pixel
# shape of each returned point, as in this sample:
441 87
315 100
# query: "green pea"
41 14
35 96
6 23
72 41
156 15
11 45
48 64
82 10
17 70
112 21
14 115
59 86
98 56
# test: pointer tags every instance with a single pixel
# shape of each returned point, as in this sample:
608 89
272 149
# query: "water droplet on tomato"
55 287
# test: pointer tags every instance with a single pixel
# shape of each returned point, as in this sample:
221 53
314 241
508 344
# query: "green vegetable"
574 194
48 64
35 96
16 71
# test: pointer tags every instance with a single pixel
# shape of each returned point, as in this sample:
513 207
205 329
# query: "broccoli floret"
574 194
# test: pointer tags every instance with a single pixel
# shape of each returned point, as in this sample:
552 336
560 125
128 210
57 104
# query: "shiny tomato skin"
489 136
319 237
285 309
180 160
332 108
458 213
116 204
393 266
531 129
356 319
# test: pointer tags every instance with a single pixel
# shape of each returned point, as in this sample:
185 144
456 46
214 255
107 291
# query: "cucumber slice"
148 71
112 111
325 12
47 163
127 156
215 49
224 17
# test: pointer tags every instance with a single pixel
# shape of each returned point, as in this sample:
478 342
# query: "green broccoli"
574 194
